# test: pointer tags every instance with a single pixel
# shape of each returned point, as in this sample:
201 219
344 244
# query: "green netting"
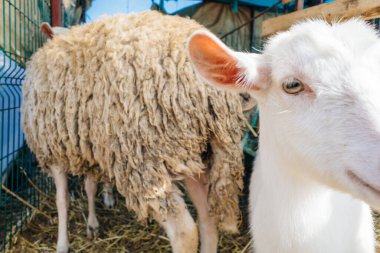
19 39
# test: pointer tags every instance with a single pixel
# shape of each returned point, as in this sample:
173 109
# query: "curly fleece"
117 99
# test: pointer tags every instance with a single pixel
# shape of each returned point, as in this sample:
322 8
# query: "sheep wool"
118 99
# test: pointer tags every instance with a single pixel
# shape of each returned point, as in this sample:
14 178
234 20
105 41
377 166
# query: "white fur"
92 221
302 197
108 198
62 202
59 29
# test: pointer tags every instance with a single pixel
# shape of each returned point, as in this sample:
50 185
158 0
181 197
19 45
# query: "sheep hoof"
64 248
92 232
108 200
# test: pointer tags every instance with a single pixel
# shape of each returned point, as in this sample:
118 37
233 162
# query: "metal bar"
56 19
252 30
235 6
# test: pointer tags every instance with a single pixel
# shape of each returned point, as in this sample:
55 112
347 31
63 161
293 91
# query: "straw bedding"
119 230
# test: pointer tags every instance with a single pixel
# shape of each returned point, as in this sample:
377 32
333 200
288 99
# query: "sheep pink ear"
47 30
218 65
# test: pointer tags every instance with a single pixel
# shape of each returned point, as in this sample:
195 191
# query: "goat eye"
294 87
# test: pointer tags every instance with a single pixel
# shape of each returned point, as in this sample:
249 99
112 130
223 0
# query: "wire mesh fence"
19 39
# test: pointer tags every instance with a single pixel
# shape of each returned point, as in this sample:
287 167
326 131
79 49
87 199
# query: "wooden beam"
339 10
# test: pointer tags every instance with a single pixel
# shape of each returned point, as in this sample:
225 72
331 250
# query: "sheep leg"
181 229
62 202
197 188
108 199
92 221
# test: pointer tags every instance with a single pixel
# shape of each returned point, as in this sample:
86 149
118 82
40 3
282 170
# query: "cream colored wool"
119 100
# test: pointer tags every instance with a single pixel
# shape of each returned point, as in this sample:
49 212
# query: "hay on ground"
119 230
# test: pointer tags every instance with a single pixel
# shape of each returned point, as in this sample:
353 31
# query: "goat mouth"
362 182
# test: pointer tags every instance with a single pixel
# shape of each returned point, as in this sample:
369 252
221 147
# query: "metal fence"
20 179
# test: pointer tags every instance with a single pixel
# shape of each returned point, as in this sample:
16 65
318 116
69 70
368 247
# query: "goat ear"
218 65
47 30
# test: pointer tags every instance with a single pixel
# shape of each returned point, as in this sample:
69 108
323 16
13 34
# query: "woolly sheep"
90 185
317 87
117 99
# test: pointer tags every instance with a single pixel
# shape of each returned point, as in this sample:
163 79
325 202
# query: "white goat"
90 185
318 92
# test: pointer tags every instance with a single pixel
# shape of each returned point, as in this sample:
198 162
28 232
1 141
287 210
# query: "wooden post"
300 4
56 19
339 10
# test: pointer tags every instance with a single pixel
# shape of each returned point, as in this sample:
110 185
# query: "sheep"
90 185
118 99
317 169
